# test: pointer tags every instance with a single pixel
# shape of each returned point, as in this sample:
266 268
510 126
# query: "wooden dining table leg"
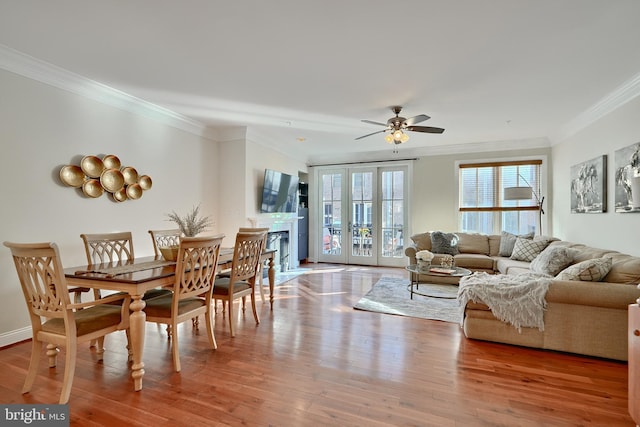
137 321
272 280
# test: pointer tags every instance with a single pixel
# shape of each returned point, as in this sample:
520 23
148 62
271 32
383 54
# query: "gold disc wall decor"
72 176
111 162
92 188
95 175
120 195
134 191
92 166
130 175
112 180
145 182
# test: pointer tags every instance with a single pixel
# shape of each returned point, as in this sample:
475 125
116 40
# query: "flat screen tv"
279 192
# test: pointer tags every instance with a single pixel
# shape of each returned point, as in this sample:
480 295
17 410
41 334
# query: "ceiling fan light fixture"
389 138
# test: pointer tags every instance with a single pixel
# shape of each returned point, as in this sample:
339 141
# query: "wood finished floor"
315 361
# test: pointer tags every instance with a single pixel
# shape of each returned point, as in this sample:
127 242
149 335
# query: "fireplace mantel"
281 222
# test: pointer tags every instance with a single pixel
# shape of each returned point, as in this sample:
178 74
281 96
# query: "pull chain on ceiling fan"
397 126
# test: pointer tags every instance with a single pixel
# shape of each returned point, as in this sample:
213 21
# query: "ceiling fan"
396 126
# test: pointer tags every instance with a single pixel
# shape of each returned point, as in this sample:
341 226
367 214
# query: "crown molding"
616 99
27 66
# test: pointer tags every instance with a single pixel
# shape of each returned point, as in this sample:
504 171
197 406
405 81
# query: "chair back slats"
163 238
246 255
40 274
108 247
196 265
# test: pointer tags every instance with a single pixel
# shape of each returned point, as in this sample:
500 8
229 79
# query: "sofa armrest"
597 294
410 251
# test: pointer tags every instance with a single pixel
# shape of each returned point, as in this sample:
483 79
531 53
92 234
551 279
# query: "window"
483 207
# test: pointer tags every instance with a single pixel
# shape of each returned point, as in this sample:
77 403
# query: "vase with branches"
192 223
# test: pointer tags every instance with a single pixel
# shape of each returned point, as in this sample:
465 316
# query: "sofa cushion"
527 250
591 270
473 261
422 241
553 259
444 243
508 241
624 269
494 244
473 243
511 266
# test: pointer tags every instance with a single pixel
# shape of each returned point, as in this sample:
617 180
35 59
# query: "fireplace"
282 236
279 240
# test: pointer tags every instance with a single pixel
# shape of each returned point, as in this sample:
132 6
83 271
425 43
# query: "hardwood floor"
315 361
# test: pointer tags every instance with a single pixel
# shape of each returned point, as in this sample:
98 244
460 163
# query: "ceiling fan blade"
425 129
374 123
369 134
417 119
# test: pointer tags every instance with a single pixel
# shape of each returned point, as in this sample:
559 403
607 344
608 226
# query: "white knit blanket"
518 299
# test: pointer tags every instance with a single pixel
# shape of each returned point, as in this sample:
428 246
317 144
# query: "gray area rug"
391 296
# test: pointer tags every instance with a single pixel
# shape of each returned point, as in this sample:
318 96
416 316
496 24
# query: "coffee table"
415 271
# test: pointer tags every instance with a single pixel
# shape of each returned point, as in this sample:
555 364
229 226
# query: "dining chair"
54 319
105 248
101 248
242 277
161 238
113 248
195 274
259 273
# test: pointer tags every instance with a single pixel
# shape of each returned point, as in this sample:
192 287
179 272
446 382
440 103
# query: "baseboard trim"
15 336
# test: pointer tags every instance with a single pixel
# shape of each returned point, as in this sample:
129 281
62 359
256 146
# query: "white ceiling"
500 73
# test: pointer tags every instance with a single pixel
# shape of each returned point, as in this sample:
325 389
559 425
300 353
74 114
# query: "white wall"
610 230
43 128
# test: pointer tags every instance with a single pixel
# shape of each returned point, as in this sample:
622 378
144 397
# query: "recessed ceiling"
486 71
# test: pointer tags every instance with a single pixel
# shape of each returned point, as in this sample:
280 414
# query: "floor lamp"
526 193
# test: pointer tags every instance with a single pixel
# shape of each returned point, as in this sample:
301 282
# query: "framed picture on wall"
589 186
627 164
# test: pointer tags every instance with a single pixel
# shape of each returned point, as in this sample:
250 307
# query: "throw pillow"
508 241
553 259
527 250
591 270
444 243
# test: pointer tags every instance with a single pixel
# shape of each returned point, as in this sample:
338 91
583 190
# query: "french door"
362 213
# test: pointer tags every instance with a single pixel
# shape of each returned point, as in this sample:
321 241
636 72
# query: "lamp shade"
518 193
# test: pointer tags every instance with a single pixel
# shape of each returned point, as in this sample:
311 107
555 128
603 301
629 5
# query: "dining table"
138 275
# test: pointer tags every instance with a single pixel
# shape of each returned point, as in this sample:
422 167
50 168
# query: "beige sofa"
581 317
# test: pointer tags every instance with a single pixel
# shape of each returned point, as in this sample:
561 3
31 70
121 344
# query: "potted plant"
190 225
424 258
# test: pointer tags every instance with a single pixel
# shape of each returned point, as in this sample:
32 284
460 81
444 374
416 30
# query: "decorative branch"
191 224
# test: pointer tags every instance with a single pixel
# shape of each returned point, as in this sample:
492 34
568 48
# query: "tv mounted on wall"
279 192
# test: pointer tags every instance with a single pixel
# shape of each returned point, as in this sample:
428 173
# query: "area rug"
391 296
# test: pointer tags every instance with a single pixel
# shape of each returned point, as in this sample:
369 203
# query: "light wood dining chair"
113 248
161 238
259 273
101 248
242 277
107 248
54 319
195 274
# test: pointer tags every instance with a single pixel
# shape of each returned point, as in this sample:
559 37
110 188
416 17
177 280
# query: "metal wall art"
627 163
95 176
589 186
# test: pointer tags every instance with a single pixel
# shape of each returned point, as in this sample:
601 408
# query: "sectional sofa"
586 313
